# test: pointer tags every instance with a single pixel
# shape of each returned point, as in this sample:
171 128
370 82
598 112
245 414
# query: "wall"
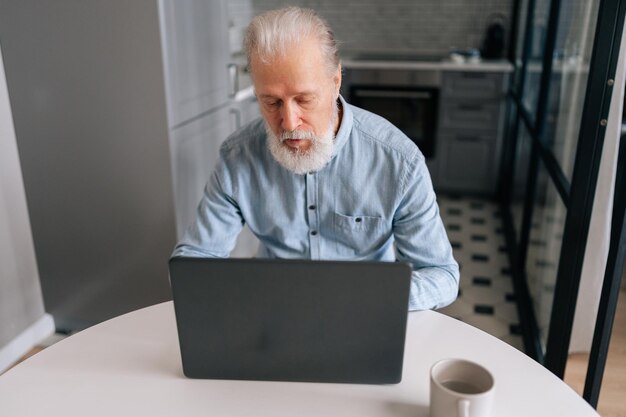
23 323
429 27
88 103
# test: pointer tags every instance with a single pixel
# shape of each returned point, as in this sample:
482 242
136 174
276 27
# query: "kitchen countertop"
442 65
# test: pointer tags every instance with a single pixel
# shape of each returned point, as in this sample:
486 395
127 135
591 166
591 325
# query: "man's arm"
421 240
218 221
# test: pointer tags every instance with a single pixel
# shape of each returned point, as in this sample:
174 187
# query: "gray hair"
272 33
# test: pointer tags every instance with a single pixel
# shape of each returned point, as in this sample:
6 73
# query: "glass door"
565 59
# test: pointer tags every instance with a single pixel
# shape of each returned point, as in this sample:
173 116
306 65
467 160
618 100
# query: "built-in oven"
409 99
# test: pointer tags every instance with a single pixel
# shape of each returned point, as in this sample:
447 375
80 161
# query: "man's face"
296 93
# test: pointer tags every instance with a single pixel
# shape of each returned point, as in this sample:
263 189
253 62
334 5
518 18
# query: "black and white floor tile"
486 297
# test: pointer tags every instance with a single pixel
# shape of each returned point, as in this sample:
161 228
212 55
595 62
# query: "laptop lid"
291 320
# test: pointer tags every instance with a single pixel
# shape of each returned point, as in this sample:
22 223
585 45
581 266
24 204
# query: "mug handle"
463 407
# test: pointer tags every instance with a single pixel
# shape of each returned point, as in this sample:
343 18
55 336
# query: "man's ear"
337 81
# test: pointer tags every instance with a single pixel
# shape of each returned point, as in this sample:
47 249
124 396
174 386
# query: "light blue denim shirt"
374 192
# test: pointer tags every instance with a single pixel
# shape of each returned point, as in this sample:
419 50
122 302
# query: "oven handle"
393 94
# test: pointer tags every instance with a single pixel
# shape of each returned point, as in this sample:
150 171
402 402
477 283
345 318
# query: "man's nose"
290 115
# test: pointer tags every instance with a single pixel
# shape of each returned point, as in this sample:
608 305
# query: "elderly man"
318 178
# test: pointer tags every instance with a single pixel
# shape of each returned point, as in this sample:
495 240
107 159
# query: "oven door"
413 110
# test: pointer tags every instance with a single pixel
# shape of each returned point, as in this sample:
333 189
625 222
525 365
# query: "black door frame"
577 196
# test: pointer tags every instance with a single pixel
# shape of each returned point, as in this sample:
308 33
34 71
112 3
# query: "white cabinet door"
195 149
194 35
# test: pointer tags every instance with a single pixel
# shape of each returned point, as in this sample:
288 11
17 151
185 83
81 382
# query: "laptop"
291 320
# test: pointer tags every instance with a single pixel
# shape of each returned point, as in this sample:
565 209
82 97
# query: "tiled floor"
486 299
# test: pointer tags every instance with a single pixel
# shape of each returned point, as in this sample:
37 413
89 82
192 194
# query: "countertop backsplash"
429 27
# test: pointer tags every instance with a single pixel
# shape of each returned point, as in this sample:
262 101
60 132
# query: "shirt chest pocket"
359 234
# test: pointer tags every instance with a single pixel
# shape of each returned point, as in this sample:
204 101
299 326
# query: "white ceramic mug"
460 388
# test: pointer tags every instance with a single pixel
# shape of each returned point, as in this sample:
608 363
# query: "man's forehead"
275 85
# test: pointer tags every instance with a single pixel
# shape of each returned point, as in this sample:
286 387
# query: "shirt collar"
345 127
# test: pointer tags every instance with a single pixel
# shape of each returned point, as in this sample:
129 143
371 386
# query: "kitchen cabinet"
194 36
194 40
466 158
469 134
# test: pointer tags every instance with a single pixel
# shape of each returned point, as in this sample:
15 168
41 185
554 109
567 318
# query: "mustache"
297 134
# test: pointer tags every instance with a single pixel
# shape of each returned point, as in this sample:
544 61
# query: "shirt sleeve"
218 220
421 241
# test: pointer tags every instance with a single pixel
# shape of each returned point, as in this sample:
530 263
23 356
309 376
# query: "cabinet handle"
236 118
233 76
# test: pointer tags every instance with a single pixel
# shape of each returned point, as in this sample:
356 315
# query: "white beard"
299 161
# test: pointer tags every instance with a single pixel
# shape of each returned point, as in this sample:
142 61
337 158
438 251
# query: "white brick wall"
406 26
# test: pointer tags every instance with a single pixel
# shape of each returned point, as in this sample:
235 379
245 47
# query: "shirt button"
312 207
358 220
313 232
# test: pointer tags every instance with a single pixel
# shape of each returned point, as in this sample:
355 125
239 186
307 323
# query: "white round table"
130 366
